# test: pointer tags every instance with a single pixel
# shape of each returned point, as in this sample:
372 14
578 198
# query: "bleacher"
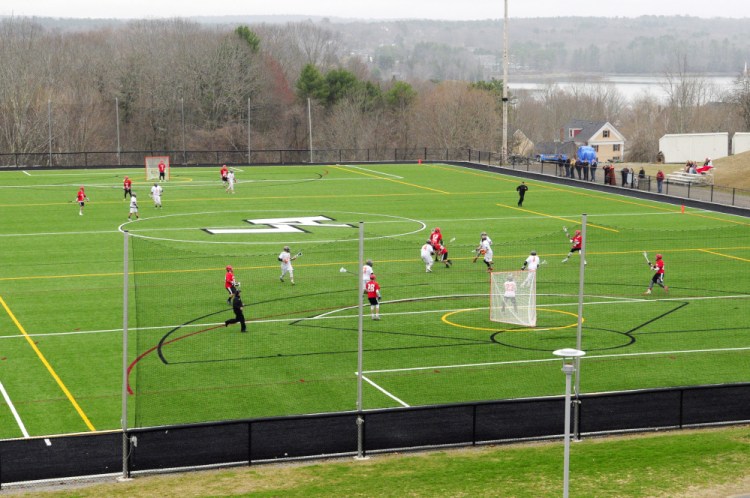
683 178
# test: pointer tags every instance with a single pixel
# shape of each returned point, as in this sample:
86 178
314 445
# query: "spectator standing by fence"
659 180
594 165
624 172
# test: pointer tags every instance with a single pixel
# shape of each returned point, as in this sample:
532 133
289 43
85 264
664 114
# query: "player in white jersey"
427 252
286 259
133 206
531 264
485 249
366 271
156 191
509 292
230 181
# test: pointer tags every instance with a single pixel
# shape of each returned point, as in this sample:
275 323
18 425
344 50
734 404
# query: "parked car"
552 158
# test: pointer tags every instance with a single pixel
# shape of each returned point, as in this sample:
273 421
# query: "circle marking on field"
445 319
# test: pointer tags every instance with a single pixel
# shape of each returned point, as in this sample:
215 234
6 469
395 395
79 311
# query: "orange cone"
683 209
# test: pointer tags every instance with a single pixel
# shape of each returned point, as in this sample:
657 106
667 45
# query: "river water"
630 87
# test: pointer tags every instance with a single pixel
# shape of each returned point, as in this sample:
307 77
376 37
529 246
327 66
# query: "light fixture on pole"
569 357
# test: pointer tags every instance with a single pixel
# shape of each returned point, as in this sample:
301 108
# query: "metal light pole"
182 117
569 357
117 121
504 159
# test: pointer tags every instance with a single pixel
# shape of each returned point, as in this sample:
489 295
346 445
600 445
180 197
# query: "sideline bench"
682 178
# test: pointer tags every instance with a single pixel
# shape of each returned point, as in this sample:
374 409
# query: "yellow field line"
724 255
49 367
571 221
390 179
339 263
594 196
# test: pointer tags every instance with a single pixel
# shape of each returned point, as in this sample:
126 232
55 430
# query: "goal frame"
496 296
151 167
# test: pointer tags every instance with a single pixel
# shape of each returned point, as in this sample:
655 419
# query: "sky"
456 10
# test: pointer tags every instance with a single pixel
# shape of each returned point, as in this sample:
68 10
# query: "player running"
133 206
224 174
230 182
576 241
531 264
81 200
127 185
427 253
658 277
156 191
230 284
436 240
373 295
286 259
366 272
484 249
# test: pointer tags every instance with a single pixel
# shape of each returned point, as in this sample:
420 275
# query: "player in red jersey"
576 241
658 277
230 284
81 200
224 174
436 239
127 183
162 169
373 295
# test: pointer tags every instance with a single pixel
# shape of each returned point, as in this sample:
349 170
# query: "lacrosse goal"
513 297
152 167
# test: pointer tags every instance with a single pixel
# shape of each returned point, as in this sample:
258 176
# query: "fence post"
712 193
688 191
425 154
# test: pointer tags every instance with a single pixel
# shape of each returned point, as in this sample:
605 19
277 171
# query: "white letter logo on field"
280 225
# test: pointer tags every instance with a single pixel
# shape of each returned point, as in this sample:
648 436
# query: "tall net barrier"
439 330
189 366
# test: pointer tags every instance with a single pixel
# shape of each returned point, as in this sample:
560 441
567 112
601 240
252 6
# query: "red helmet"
372 276
658 256
229 268
578 232
437 229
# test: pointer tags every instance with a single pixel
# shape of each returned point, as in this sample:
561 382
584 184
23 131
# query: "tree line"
175 84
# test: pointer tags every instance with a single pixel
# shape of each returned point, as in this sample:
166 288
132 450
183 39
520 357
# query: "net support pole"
249 141
360 342
117 126
579 346
309 127
124 414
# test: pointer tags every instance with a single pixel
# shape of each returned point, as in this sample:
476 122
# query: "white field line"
327 315
585 358
17 416
385 392
373 171
26 173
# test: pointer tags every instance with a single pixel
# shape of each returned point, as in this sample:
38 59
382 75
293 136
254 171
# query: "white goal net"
152 167
513 297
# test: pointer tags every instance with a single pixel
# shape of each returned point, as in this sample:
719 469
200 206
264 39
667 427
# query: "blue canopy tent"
586 153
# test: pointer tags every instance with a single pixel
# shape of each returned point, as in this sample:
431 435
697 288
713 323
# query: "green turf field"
61 285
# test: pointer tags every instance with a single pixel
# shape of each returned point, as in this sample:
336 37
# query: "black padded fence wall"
311 436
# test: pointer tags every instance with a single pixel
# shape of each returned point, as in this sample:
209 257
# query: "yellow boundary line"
724 255
389 179
49 367
588 194
339 263
571 221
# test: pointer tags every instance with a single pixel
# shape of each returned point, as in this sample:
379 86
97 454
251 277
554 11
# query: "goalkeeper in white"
531 264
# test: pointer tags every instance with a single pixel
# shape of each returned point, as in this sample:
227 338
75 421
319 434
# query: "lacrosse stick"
298 254
344 270
544 262
565 229
645 255
453 239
